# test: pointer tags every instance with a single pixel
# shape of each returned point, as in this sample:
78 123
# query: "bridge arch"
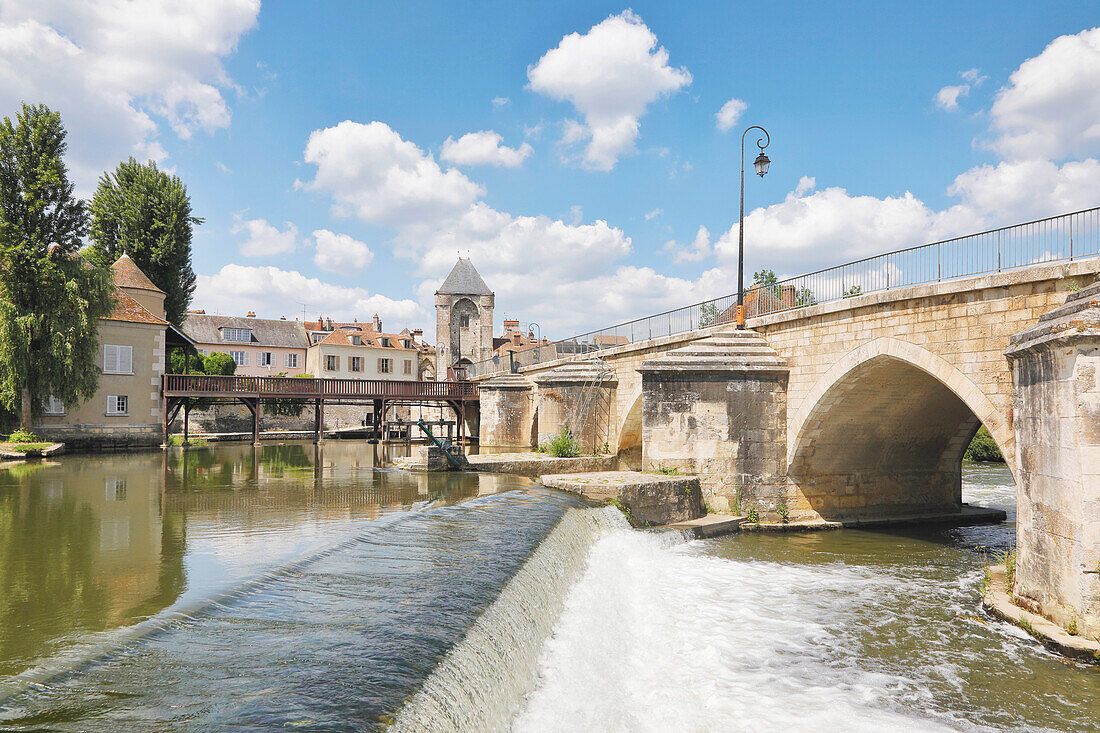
884 430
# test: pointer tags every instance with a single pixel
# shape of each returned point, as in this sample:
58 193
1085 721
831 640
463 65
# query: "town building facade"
261 347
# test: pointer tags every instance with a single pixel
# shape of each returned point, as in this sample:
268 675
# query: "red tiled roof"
341 337
129 310
126 274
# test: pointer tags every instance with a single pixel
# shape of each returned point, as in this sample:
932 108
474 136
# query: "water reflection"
91 543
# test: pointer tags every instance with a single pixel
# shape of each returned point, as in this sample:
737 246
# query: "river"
284 587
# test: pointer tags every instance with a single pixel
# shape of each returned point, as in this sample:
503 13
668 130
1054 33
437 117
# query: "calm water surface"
285 587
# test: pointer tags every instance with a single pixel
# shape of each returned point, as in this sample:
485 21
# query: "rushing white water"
481 682
660 639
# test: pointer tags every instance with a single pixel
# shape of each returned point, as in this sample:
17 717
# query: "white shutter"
118 359
110 359
125 359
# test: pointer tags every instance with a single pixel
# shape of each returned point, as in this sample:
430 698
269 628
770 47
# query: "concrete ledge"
812 525
968 514
712 525
648 499
53 449
535 465
997 601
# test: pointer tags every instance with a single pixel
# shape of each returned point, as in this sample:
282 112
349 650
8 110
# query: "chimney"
377 323
251 314
516 337
417 333
328 324
282 318
320 324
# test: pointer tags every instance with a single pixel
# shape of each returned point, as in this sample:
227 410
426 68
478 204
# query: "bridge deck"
178 389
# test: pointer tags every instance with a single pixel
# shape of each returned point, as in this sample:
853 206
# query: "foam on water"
660 639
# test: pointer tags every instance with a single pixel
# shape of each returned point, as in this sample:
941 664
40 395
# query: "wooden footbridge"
179 392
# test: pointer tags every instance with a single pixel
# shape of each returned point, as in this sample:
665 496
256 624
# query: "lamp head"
761 163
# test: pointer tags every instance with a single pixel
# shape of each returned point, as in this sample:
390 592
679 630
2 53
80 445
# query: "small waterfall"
481 682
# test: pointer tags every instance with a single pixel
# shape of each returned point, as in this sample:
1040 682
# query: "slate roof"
126 274
204 329
464 280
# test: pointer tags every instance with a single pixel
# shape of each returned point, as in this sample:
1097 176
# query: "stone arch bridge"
860 410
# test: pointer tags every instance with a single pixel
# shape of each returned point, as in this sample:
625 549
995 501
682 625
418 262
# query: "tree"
287 407
708 315
145 213
219 362
51 298
767 280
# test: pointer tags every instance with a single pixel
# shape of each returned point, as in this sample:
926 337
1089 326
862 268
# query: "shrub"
784 513
23 436
564 445
752 515
984 448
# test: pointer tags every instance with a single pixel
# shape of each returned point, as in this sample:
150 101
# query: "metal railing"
1065 237
198 385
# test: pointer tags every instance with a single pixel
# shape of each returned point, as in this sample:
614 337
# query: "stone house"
262 347
126 409
464 319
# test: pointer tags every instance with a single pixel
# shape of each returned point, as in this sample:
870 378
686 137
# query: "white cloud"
483 148
272 292
339 252
1051 106
697 251
499 102
370 171
973 76
1013 191
223 167
115 71
651 215
948 97
264 239
576 214
731 111
610 74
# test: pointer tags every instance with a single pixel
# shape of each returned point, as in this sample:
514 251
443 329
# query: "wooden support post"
186 417
255 422
164 415
320 421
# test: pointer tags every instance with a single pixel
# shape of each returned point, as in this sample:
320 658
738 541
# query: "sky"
585 155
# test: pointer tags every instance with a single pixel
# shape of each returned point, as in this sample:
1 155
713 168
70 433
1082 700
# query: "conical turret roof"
464 280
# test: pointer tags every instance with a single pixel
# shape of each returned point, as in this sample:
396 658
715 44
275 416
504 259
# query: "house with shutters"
261 347
358 351
126 409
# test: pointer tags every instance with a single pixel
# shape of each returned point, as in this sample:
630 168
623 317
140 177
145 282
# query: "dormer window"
385 341
357 340
237 334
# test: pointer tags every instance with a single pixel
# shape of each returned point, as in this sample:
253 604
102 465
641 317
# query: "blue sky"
312 138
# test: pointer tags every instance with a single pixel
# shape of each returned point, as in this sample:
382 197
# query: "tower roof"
464 280
128 275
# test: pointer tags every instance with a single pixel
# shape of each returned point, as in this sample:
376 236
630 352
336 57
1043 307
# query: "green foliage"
29 447
784 513
22 435
983 448
622 508
1073 629
564 445
668 471
177 440
1008 559
708 315
51 298
145 213
752 515
853 291
804 297
219 363
287 408
178 362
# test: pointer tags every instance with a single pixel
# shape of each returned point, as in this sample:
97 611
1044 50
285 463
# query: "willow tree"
51 299
143 212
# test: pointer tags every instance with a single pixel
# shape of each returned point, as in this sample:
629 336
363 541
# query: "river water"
290 588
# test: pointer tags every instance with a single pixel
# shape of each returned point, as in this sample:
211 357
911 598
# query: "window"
357 340
385 366
385 341
241 357
52 406
408 366
237 334
316 337
266 358
356 363
464 321
118 404
292 361
118 359
332 363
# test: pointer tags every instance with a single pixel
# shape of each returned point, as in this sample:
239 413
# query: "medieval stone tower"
463 319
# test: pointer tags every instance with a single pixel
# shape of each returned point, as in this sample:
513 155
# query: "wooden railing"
199 385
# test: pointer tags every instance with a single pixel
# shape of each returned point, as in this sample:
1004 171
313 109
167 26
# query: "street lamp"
761 164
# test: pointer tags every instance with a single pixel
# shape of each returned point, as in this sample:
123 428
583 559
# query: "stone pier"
507 412
561 391
1056 399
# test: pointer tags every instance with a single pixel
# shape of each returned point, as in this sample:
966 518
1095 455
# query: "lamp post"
761 164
